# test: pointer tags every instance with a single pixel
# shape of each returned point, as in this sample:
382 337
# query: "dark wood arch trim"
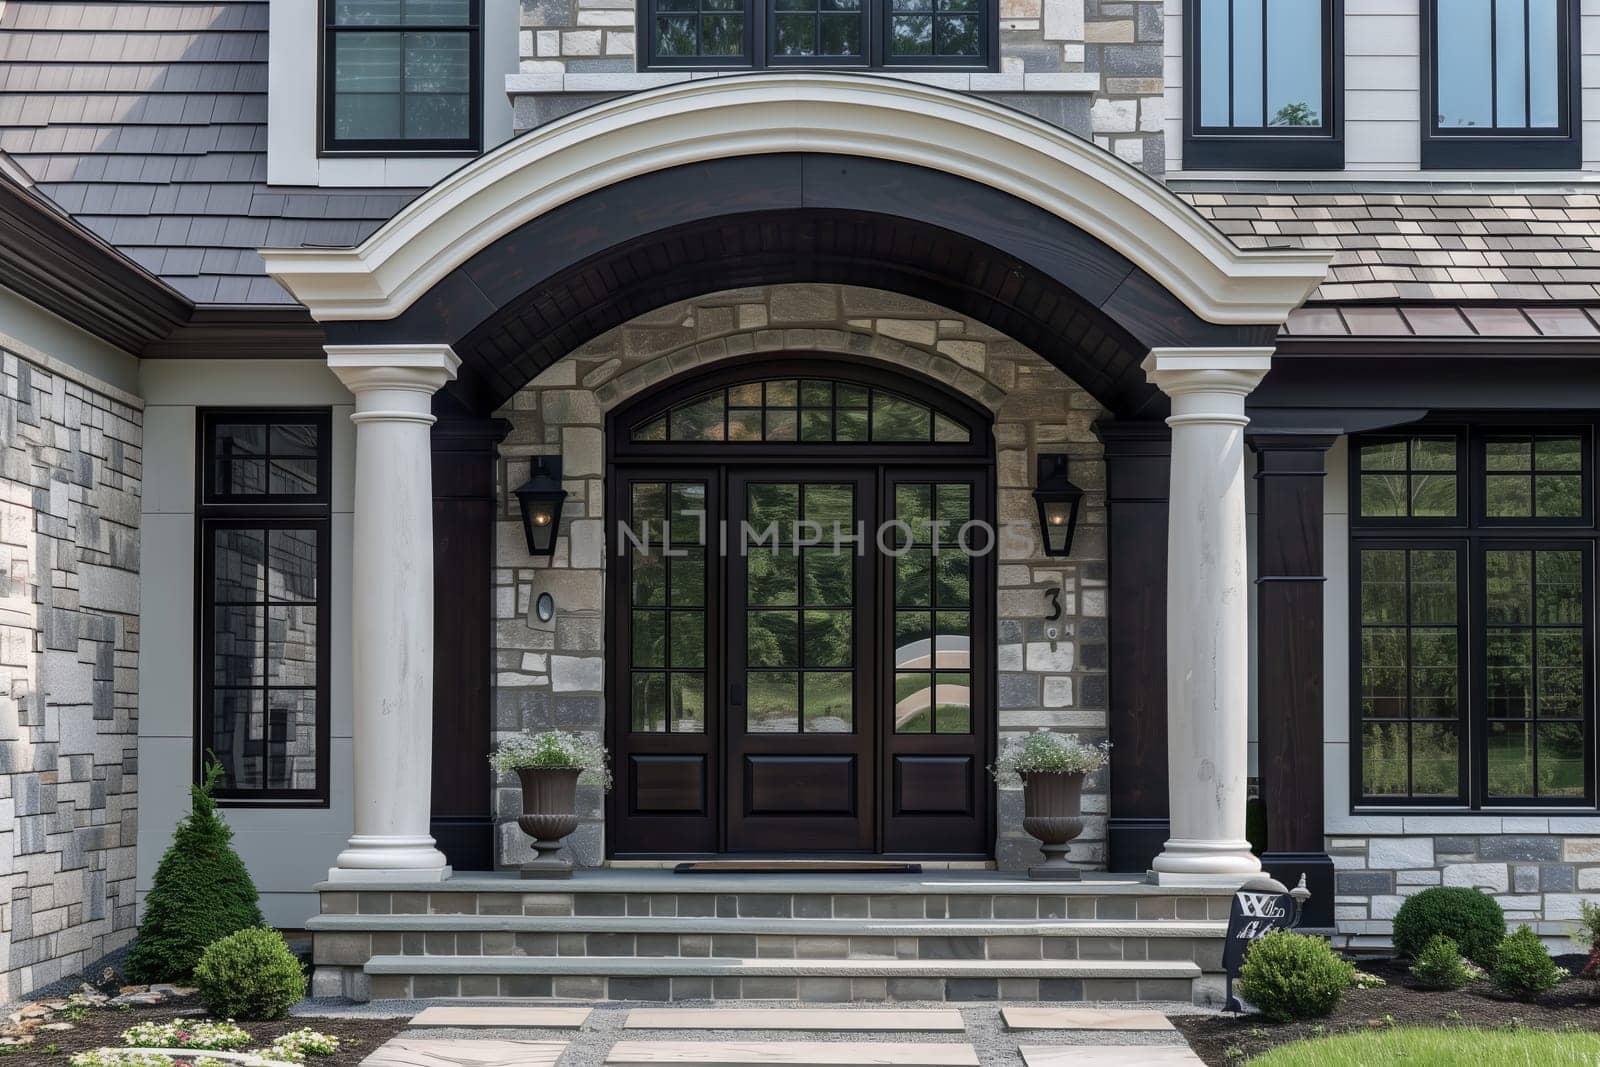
535 294
922 806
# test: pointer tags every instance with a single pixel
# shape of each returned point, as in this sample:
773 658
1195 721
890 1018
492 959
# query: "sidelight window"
263 522
1472 618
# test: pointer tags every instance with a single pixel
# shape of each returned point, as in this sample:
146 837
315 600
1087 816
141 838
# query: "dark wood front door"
800 763
800 650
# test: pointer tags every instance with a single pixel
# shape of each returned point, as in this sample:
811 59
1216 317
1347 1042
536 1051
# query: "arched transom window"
805 410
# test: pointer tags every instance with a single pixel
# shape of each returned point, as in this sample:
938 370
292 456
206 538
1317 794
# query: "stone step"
350 940
836 980
650 925
791 1053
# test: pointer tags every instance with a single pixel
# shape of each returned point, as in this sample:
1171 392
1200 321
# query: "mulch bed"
103 1027
1230 1040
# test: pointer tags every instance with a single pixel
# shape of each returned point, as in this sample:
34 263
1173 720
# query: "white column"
392 608
1208 606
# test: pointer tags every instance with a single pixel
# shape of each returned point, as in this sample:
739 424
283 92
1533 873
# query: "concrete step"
834 980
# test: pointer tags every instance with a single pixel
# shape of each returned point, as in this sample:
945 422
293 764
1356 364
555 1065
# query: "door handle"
736 695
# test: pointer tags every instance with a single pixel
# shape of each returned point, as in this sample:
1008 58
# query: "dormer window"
402 76
1499 90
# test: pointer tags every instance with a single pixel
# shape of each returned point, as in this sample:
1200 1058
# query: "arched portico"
524 254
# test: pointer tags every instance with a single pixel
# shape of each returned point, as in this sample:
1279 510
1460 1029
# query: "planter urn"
1052 813
549 813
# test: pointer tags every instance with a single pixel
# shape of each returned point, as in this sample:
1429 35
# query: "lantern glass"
1057 526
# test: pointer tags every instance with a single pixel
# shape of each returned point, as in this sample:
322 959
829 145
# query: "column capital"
393 382
1207 385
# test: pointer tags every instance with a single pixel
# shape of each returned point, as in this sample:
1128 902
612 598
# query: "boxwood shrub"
1522 967
250 974
1294 976
1471 919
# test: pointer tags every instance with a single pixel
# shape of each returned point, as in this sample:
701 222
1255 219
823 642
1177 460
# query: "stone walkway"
627 1035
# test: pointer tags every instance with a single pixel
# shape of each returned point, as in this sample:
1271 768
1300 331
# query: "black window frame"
1472 534
759 52
1265 147
1495 148
217 510
329 145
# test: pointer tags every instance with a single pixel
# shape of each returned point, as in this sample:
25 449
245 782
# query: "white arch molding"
842 114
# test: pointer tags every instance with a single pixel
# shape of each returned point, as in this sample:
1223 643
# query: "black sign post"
1261 906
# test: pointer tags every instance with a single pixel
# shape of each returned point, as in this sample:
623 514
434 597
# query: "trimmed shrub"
1471 919
1294 976
250 974
1522 967
1439 965
201 892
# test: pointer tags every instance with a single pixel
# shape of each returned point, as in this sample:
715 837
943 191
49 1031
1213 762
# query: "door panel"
799 627
666 654
938 628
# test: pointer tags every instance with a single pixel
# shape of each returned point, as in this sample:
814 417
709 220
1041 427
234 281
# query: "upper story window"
823 33
1264 84
1499 87
263 525
402 75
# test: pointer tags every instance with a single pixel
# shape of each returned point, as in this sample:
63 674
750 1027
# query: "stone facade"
70 473
553 675
1535 868
1090 66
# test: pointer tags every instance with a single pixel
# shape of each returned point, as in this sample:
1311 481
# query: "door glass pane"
667 593
932 623
799 606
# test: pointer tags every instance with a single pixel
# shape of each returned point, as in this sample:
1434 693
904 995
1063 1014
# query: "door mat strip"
796 867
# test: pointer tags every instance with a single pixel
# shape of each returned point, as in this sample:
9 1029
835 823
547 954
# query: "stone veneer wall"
1535 868
554 676
1093 67
70 470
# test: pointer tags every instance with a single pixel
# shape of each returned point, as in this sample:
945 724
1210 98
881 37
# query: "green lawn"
1439 1048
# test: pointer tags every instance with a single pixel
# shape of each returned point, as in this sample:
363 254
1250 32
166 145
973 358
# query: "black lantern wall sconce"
1058 501
541 497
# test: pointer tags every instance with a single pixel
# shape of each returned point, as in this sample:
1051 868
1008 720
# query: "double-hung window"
754 34
262 657
1472 617
402 76
1499 84
1263 80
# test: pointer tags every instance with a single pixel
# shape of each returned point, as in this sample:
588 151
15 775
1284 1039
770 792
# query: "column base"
1204 863
390 859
